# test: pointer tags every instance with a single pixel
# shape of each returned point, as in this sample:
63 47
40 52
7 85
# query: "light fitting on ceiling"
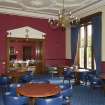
65 18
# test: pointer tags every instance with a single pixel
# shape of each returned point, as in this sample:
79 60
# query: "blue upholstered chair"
26 78
94 80
68 75
84 77
11 99
66 93
57 100
4 82
55 81
12 87
39 81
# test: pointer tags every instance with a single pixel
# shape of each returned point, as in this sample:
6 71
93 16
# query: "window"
86 56
12 55
11 51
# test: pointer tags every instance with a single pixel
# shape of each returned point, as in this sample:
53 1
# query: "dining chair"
4 82
39 81
84 77
53 71
66 92
95 80
26 78
11 99
56 100
12 87
68 75
56 81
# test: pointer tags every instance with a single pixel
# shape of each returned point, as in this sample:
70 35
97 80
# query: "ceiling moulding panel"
28 14
90 10
47 9
86 3
26 32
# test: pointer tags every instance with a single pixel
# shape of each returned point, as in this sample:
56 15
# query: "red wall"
103 67
54 43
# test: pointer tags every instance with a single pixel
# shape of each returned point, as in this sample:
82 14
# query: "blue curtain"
96 22
74 40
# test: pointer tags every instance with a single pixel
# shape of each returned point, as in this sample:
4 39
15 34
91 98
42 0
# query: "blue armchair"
11 99
68 75
57 100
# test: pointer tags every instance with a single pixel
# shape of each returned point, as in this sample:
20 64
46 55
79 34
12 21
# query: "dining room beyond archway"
25 45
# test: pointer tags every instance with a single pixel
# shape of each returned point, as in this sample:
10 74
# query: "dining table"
38 90
77 73
15 75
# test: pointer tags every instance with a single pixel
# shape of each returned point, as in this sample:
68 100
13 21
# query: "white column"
68 43
103 35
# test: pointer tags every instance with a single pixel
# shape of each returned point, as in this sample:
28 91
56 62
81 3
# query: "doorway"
27 53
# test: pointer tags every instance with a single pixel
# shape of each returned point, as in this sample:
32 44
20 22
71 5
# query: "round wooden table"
36 90
15 75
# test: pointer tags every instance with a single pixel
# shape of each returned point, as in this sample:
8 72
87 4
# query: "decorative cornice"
96 7
90 9
24 13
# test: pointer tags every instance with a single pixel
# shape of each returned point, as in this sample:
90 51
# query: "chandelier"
65 18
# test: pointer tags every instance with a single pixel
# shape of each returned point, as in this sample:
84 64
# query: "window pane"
94 64
89 35
89 58
11 51
81 55
82 36
85 47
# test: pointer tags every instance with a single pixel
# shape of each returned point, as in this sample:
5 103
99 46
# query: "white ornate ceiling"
43 8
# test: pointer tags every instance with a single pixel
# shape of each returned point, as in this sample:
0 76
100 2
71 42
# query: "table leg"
77 78
31 101
103 88
52 75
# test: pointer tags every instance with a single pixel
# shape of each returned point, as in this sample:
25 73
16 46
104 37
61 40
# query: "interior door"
27 53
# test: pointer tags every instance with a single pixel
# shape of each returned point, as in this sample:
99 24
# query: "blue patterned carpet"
1 98
82 95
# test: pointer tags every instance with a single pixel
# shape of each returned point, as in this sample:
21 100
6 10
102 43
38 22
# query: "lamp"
65 18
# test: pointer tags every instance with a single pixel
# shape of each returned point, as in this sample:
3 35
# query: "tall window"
86 55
